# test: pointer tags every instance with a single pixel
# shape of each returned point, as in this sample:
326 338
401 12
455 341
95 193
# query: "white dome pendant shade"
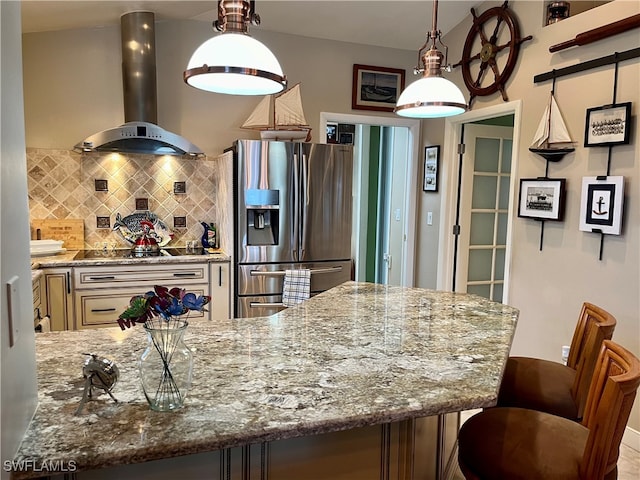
432 96
233 62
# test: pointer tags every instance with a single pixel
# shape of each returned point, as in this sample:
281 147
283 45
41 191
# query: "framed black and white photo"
376 88
607 125
601 204
431 159
542 198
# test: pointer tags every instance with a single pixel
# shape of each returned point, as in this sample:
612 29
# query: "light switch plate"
429 218
13 308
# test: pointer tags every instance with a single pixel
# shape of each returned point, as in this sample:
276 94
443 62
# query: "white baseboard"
631 438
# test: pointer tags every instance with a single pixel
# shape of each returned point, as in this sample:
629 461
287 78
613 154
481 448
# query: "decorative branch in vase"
167 363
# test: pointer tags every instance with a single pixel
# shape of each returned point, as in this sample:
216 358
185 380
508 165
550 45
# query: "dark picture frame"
607 125
542 198
332 133
431 168
602 204
376 88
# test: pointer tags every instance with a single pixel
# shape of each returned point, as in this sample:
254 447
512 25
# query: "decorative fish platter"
130 227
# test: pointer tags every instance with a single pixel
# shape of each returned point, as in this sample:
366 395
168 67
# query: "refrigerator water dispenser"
262 216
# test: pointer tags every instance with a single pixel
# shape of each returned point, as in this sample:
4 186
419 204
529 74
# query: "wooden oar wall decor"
599 33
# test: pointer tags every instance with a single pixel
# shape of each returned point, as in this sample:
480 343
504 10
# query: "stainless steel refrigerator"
292 209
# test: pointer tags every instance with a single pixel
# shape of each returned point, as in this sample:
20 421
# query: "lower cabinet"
59 297
39 300
94 296
103 292
220 274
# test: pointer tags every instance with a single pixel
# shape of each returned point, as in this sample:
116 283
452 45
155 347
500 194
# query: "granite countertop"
358 354
81 258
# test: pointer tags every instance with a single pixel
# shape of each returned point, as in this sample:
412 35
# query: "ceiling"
399 24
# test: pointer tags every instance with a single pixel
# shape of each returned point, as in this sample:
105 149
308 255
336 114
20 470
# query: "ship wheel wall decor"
488 60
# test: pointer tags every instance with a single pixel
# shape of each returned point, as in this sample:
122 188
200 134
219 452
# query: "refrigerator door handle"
304 203
281 273
296 208
265 304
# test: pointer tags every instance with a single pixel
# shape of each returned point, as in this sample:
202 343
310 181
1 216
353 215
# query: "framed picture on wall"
431 159
607 125
601 204
376 88
542 198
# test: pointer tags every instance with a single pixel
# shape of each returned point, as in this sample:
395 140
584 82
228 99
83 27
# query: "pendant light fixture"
234 62
431 96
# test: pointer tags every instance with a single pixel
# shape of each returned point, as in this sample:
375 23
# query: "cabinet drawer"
136 275
101 308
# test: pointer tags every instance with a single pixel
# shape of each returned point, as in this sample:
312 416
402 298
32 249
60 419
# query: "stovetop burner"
127 253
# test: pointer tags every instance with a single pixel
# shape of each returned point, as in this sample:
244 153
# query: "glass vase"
166 366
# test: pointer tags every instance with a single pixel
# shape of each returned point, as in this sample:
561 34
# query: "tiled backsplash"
62 184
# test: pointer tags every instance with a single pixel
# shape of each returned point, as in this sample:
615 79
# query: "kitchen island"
354 358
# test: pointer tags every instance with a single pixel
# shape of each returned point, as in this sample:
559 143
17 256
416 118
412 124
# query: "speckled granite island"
360 357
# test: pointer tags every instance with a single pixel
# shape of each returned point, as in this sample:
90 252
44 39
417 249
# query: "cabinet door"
38 306
220 291
59 297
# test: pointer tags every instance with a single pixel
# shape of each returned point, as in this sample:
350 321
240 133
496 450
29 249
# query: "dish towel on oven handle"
297 286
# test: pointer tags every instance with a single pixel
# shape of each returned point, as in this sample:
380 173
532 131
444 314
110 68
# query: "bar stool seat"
514 443
539 384
552 387
505 443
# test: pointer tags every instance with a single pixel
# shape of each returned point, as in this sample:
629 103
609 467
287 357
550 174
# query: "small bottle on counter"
209 239
214 238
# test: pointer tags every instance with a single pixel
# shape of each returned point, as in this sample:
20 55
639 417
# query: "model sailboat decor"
280 117
552 140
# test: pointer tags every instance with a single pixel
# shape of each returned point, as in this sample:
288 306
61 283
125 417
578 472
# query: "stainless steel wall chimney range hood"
139 134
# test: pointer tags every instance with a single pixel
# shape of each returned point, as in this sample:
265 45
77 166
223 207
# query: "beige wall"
549 286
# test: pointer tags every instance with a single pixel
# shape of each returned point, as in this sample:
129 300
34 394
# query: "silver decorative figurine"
99 372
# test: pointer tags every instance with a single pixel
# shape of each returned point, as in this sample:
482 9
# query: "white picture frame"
601 205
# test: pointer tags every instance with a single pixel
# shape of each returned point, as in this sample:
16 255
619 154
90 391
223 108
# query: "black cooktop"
127 253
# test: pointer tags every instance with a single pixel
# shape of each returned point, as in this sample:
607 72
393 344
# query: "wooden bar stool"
516 443
552 387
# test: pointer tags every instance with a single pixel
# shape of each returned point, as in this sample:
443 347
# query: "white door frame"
408 259
450 171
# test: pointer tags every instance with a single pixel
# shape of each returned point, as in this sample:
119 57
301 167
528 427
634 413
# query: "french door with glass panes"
484 208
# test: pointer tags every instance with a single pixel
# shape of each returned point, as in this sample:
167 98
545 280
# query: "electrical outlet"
179 187
103 222
142 204
101 185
